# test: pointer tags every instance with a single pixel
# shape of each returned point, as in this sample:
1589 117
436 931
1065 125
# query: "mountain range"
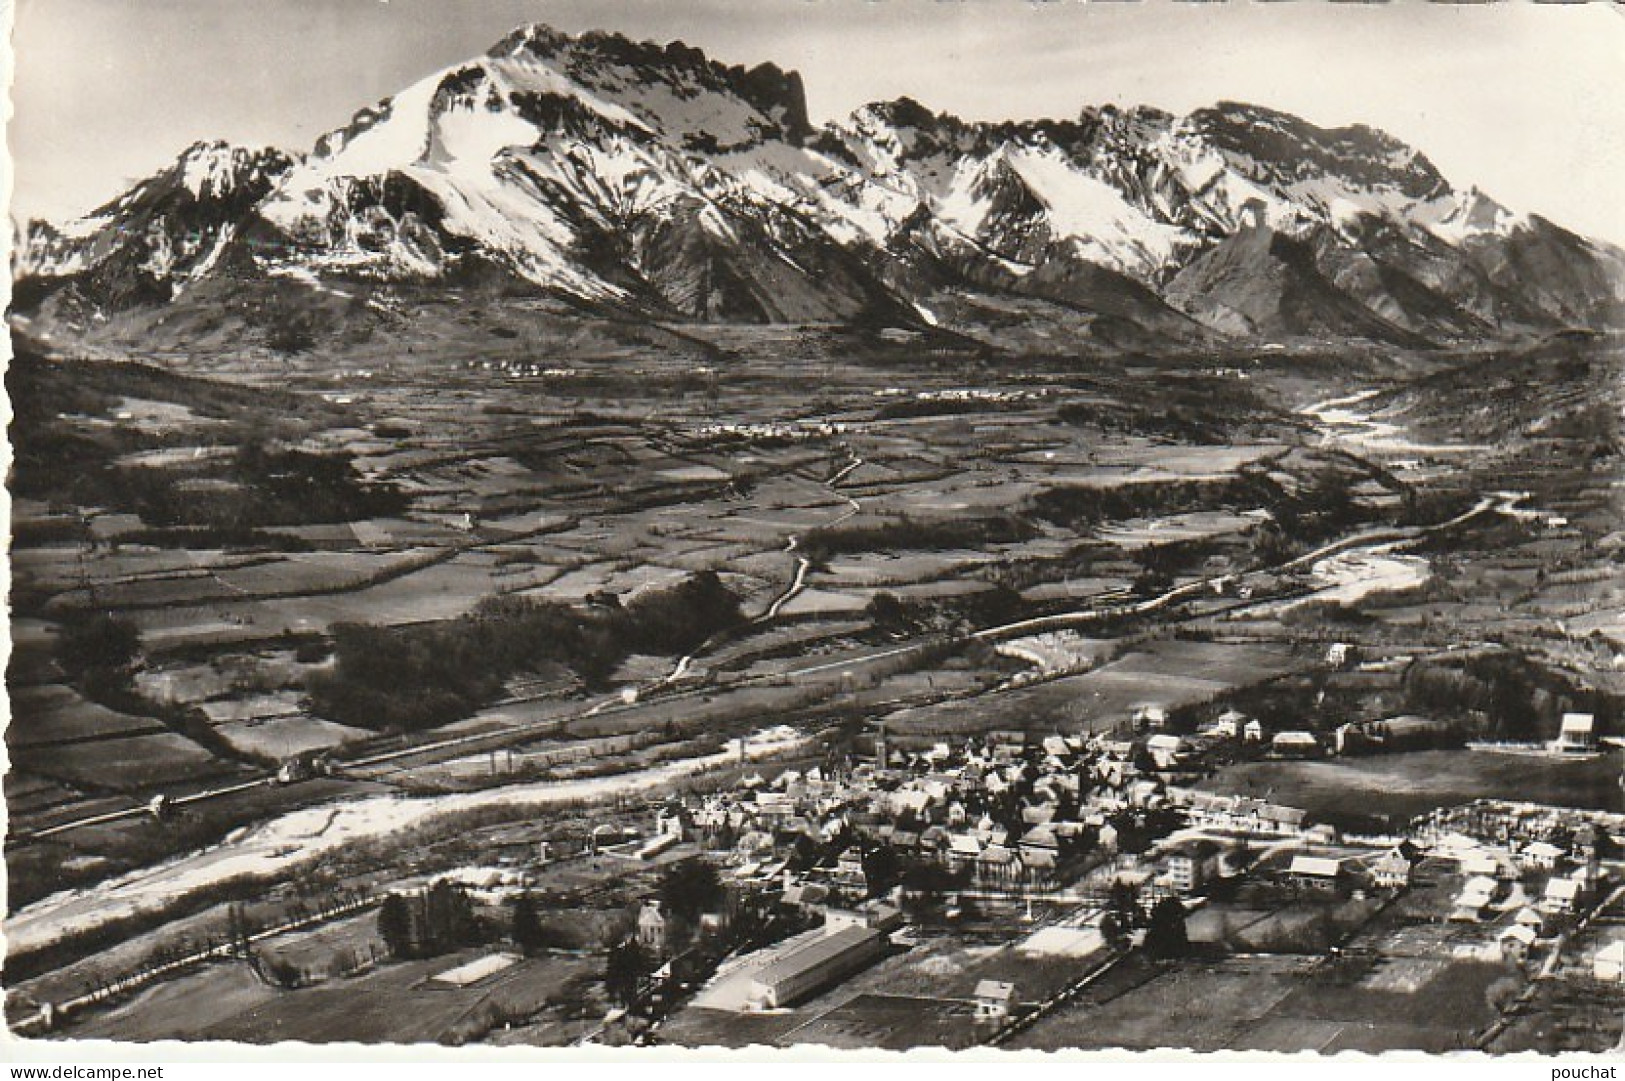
616 178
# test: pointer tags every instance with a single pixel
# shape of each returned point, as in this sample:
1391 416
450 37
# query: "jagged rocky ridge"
635 178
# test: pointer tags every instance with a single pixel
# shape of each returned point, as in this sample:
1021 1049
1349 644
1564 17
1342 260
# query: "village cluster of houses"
1545 865
1009 818
1171 751
1546 882
1195 864
1000 813
1510 824
785 431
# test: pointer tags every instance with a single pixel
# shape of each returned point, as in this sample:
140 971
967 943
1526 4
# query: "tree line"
421 676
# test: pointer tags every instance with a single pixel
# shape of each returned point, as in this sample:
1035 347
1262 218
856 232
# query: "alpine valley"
586 554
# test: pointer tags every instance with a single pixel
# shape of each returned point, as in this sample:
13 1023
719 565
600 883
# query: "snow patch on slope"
1461 216
1105 227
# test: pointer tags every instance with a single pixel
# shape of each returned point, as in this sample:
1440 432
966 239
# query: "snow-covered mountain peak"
539 82
1275 147
170 223
649 177
901 120
211 170
674 88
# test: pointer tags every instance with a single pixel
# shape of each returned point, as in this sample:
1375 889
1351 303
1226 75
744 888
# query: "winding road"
1095 612
508 736
1331 415
798 581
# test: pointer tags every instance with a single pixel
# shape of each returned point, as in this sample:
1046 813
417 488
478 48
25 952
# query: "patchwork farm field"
455 574
124 763
44 716
398 1003
1404 785
1271 1004
1164 674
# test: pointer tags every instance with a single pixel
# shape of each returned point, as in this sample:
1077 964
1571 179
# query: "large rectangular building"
819 964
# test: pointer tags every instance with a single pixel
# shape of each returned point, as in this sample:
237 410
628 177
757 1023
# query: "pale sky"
1525 100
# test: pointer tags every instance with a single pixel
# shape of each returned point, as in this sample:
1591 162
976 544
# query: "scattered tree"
423 925
928 880
1165 934
395 925
100 640
624 969
528 933
690 889
424 675
1121 902
290 332
882 867
888 613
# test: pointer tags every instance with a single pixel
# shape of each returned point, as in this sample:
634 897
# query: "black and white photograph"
863 525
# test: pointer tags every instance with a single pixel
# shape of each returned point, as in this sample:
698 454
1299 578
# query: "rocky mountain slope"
614 177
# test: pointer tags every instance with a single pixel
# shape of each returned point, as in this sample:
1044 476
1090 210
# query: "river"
1342 422
278 846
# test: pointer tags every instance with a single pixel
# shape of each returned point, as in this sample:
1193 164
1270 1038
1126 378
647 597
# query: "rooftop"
814 953
1578 722
995 989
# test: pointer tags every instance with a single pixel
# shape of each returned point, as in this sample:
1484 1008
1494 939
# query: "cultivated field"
253 603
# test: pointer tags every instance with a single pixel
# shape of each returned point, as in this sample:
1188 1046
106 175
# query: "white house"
1577 733
1295 744
993 999
1166 749
1193 864
1516 942
964 848
1562 896
1229 724
1456 846
1107 838
1475 899
1539 855
1608 963
1391 870
1534 919
838 919
652 927
1150 717
1325 873
1484 862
